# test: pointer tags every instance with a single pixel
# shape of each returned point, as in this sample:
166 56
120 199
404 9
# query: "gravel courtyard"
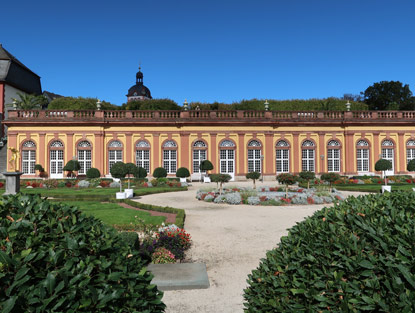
230 240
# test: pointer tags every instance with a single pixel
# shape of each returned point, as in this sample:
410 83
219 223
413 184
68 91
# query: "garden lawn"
98 193
115 215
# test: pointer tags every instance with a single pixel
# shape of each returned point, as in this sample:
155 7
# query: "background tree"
383 165
119 170
221 179
254 176
389 95
30 102
330 178
72 166
286 179
152 105
80 103
307 176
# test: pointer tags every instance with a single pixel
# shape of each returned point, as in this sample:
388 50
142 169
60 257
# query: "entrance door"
227 162
387 154
56 163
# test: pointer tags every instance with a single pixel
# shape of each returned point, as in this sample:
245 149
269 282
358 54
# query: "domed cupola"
138 91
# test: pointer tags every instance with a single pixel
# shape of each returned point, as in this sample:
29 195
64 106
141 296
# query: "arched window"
333 156
362 156
199 154
56 159
28 157
142 155
308 156
170 156
114 153
227 157
388 154
410 150
282 153
254 156
84 156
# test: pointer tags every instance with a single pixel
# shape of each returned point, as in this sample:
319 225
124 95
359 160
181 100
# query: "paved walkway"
230 240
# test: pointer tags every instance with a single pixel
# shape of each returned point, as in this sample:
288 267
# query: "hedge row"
356 256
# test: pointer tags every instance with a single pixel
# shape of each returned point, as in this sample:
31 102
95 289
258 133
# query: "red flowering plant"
286 200
1 185
174 231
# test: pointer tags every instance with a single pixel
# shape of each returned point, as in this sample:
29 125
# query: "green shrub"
356 257
383 165
286 179
119 170
182 172
130 238
53 258
39 168
72 166
221 179
411 166
206 165
93 173
141 173
160 172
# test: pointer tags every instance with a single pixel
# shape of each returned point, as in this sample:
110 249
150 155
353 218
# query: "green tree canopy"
30 102
152 105
307 176
80 103
389 95
254 176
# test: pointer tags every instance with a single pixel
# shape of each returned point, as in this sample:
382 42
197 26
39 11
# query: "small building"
15 78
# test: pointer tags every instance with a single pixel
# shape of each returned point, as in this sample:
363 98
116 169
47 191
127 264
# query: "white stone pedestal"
12 182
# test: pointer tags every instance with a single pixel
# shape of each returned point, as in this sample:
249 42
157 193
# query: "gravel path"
230 240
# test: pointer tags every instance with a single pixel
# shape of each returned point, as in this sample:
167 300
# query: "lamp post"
185 105
99 105
262 171
348 106
266 105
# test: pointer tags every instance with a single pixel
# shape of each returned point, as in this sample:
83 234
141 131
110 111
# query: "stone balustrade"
197 115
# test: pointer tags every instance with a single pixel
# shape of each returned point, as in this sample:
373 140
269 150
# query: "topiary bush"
286 179
221 179
206 165
119 170
254 176
53 258
355 257
141 173
93 173
383 165
182 172
72 166
307 176
330 178
411 166
160 172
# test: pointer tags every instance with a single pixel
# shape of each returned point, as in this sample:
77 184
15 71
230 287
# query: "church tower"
138 91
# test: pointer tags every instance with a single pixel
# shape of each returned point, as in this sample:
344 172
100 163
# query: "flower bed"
269 196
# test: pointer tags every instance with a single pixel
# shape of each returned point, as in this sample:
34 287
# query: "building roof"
139 90
51 96
16 74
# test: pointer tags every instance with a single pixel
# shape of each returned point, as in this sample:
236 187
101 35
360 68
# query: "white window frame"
142 155
254 156
282 157
308 156
114 153
170 156
84 156
333 156
362 156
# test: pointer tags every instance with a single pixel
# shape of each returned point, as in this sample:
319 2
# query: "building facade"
236 142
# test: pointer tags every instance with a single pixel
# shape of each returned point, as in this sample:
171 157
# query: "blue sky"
213 50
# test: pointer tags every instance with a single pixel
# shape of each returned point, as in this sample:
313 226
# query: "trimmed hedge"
93 173
160 172
53 258
357 256
180 213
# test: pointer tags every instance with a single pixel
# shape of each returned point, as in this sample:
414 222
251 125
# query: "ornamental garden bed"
269 195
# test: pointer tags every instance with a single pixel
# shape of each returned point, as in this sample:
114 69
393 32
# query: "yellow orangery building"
236 142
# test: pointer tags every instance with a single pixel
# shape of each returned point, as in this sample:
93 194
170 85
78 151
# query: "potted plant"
39 168
160 172
254 176
330 178
286 179
131 169
384 165
119 170
182 172
72 166
207 166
